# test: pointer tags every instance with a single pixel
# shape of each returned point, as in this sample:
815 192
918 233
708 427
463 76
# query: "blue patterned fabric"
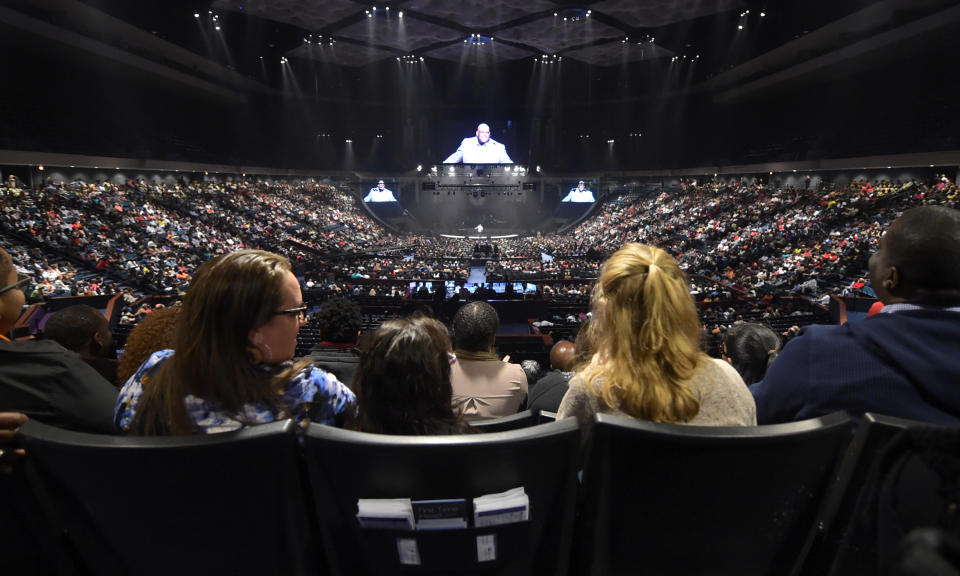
311 396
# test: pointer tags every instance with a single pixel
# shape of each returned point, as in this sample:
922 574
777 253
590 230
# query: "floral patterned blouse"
311 396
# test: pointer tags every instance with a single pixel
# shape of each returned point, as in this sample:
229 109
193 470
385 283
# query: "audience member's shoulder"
720 370
34 347
311 381
47 353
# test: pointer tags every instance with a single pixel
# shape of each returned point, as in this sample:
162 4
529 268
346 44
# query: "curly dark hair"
474 326
339 320
153 333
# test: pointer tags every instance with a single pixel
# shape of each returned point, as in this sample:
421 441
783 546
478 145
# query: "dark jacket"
904 363
341 362
51 384
547 393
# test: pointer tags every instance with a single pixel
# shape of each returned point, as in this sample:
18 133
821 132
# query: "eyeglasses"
22 280
300 313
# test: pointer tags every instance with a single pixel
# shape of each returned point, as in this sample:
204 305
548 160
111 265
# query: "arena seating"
797 498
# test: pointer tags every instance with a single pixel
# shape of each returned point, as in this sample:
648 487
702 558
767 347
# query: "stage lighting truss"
547 59
478 40
573 15
381 12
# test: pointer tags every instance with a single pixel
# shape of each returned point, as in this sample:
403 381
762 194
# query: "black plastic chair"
843 543
345 466
544 416
898 475
512 422
227 503
666 499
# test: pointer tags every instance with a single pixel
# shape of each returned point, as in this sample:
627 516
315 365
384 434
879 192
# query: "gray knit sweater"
724 399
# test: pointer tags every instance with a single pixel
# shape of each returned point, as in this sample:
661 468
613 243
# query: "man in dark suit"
547 393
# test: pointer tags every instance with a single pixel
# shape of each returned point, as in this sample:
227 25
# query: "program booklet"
503 508
440 514
385 513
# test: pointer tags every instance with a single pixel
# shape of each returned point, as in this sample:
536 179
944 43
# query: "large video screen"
381 197
577 197
479 146
379 191
580 192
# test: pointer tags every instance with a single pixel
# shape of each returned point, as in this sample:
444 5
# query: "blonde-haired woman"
648 363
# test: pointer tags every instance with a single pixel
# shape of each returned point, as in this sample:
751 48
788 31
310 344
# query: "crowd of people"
643 352
228 356
730 238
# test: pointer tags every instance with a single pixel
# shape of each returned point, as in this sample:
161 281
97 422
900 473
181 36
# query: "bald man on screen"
480 149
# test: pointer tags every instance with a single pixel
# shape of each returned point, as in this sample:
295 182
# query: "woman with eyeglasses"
232 363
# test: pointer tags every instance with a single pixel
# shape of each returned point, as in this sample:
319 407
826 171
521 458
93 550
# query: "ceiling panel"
482 15
613 53
551 34
311 15
478 55
653 13
407 33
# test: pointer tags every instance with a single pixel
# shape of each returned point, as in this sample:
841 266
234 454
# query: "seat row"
644 498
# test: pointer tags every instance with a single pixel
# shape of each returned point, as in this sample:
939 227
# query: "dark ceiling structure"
557 72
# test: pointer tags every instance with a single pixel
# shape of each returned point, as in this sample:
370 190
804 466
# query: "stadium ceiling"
735 45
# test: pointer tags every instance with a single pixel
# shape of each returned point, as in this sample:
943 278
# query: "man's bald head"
563 356
919 257
483 133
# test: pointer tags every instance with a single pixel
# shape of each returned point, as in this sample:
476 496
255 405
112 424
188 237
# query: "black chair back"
504 423
546 416
667 499
898 475
345 466
842 541
227 503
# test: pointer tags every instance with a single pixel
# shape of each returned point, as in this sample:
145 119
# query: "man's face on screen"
483 133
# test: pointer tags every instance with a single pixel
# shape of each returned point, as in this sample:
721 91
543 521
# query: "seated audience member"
547 393
900 362
403 382
531 369
555 384
41 378
153 333
231 366
340 322
10 423
648 363
483 385
86 331
751 349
